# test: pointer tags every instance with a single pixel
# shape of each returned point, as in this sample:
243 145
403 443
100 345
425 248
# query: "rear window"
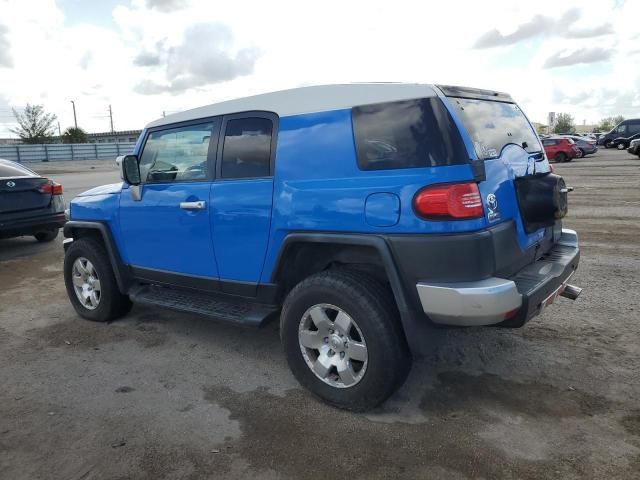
8 170
406 134
492 125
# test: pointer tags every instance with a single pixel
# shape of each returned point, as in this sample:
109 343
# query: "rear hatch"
504 140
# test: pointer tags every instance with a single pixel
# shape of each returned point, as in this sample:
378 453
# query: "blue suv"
357 213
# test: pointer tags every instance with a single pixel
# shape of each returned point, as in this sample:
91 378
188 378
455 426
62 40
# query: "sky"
146 57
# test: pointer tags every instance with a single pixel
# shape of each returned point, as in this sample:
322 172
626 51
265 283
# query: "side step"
239 311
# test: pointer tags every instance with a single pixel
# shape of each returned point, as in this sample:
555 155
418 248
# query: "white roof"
301 100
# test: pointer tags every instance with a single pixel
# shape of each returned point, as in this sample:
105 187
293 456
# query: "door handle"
199 205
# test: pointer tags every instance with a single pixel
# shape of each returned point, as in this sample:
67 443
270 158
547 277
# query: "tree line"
37 126
564 123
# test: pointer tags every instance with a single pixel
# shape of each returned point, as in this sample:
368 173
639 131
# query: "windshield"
492 125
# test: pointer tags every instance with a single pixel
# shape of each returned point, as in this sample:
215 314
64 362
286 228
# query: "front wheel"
91 285
342 339
608 143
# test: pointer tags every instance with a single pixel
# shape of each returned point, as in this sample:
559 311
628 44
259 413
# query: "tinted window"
548 143
176 154
8 169
633 128
406 134
492 125
247 148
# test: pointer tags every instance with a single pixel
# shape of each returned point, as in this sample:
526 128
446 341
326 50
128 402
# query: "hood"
112 188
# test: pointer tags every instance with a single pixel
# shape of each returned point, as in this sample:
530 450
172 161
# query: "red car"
560 149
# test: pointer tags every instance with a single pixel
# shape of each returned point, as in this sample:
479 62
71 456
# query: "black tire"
112 303
580 154
371 306
46 235
560 157
607 143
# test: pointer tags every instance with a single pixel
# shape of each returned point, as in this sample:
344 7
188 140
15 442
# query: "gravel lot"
166 395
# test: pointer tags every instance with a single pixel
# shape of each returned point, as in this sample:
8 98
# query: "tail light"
51 188
449 202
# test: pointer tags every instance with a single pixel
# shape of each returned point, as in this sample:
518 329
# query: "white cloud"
5 47
205 56
183 54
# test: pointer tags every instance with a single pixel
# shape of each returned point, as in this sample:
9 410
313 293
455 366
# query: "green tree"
74 135
564 124
608 123
34 124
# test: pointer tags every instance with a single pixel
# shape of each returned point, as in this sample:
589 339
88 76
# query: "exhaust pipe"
571 292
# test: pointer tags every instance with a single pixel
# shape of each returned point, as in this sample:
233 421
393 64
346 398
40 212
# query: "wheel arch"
303 254
98 230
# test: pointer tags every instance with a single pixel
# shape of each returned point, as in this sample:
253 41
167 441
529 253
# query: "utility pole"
111 118
59 131
75 120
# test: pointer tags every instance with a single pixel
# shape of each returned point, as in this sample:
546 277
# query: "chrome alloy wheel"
86 283
333 346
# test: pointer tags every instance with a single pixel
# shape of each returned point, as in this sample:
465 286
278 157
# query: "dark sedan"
586 145
624 142
29 204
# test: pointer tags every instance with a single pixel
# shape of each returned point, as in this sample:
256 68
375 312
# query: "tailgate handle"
199 205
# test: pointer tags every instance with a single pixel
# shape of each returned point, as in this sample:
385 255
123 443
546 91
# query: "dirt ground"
165 395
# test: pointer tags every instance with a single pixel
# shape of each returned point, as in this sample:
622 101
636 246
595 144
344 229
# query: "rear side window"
9 170
406 134
247 148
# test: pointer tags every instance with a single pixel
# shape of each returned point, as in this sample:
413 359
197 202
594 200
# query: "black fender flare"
409 316
120 270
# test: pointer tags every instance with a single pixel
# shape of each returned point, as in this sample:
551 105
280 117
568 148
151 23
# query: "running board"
236 310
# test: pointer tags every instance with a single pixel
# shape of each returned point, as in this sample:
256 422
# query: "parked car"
634 147
352 211
624 129
623 142
586 145
560 149
29 203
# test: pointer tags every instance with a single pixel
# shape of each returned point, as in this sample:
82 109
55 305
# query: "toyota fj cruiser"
357 212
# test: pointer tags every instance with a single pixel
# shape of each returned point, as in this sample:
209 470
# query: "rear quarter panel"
319 187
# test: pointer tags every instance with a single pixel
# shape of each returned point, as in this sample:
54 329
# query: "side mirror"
130 173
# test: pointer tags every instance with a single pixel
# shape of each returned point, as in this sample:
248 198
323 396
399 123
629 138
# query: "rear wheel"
560 157
342 339
91 285
46 235
580 153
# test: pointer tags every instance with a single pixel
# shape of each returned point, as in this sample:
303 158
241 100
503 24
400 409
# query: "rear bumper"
31 225
509 301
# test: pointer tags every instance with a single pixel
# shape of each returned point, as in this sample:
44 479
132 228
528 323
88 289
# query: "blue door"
169 228
242 198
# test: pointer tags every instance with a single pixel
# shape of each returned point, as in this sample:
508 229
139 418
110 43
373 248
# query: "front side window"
176 154
406 134
246 152
622 129
492 125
